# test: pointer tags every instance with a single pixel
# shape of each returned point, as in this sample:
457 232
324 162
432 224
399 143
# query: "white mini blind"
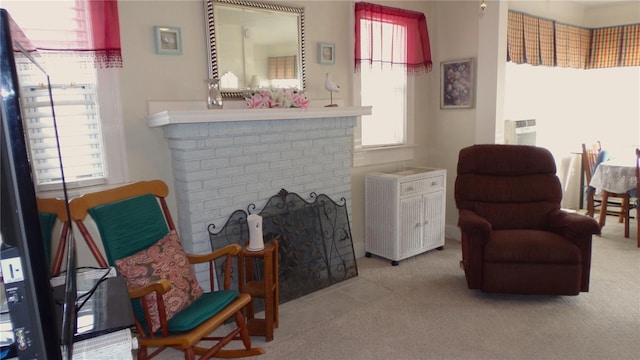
283 67
80 138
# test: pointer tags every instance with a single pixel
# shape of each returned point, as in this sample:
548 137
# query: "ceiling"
596 3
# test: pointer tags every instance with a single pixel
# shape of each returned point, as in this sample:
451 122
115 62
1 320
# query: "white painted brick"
218 142
181 131
257 187
245 178
255 149
214 163
258 167
246 139
244 159
246 198
268 157
280 164
216 182
226 151
268 175
232 190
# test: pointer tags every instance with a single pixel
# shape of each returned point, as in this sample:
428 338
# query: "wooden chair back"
589 159
52 210
638 193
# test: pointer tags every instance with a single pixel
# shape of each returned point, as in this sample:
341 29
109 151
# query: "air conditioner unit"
520 132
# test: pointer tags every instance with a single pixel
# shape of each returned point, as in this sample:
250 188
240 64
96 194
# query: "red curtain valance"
88 29
410 24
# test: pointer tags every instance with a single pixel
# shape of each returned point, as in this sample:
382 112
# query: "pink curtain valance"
413 25
88 29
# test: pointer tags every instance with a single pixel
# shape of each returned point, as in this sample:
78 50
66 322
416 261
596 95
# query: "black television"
38 332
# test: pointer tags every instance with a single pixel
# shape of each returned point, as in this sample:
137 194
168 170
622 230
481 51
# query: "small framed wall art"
168 40
457 84
326 53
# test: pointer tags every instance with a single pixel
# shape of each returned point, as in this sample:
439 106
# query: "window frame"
380 154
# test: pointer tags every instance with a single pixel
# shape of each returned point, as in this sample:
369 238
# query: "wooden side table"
265 288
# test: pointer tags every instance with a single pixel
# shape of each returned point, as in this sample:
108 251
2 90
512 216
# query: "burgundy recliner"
515 237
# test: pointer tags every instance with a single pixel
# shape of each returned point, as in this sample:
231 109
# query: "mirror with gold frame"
253 45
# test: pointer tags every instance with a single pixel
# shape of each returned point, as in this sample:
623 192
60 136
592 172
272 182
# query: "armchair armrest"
232 249
470 222
159 287
572 225
227 251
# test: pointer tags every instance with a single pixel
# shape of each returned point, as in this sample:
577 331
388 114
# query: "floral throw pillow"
163 260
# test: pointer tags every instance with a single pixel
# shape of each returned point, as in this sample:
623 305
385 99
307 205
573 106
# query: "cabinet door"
433 220
411 226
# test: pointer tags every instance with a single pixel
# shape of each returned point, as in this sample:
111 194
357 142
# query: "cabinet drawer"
422 185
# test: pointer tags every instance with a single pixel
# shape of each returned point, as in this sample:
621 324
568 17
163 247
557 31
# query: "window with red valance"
78 43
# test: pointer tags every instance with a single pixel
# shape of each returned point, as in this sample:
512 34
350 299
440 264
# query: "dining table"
616 175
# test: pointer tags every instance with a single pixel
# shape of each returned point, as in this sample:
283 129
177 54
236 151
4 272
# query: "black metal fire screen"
314 240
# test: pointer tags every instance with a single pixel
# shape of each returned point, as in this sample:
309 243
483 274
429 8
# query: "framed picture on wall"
457 84
326 53
168 40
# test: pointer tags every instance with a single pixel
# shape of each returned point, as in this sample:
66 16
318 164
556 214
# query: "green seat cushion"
201 310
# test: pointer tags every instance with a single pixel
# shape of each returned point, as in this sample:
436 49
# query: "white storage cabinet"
404 212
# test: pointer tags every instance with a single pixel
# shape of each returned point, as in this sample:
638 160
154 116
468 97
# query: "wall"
458 30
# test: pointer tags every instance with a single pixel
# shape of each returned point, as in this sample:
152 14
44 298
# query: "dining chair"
171 308
625 205
590 156
638 194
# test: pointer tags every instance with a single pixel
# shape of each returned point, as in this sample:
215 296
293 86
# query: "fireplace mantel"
230 115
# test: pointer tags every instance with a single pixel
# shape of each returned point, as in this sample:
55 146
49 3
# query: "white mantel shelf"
227 115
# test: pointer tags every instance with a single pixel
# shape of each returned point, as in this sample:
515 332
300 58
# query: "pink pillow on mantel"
163 260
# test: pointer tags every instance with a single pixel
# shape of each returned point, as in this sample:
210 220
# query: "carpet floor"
422 309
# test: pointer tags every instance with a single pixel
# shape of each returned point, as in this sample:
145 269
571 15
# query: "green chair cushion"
202 309
130 225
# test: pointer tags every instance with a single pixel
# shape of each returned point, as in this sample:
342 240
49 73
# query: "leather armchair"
515 237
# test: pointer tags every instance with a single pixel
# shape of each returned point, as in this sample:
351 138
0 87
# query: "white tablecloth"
615 176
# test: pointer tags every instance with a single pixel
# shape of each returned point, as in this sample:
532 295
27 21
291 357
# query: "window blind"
78 133
283 67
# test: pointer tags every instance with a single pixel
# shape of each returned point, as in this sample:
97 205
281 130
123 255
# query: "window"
384 87
91 136
283 71
390 45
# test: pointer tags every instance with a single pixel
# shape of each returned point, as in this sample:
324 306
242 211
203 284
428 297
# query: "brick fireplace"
224 160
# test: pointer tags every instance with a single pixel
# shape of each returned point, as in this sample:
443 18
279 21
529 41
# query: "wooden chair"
51 211
625 209
638 193
589 158
133 221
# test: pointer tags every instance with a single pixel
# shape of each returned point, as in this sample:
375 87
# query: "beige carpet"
423 310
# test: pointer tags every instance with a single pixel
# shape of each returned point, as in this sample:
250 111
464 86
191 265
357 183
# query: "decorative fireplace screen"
314 241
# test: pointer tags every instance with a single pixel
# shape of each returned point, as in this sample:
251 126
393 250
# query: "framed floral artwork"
457 84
